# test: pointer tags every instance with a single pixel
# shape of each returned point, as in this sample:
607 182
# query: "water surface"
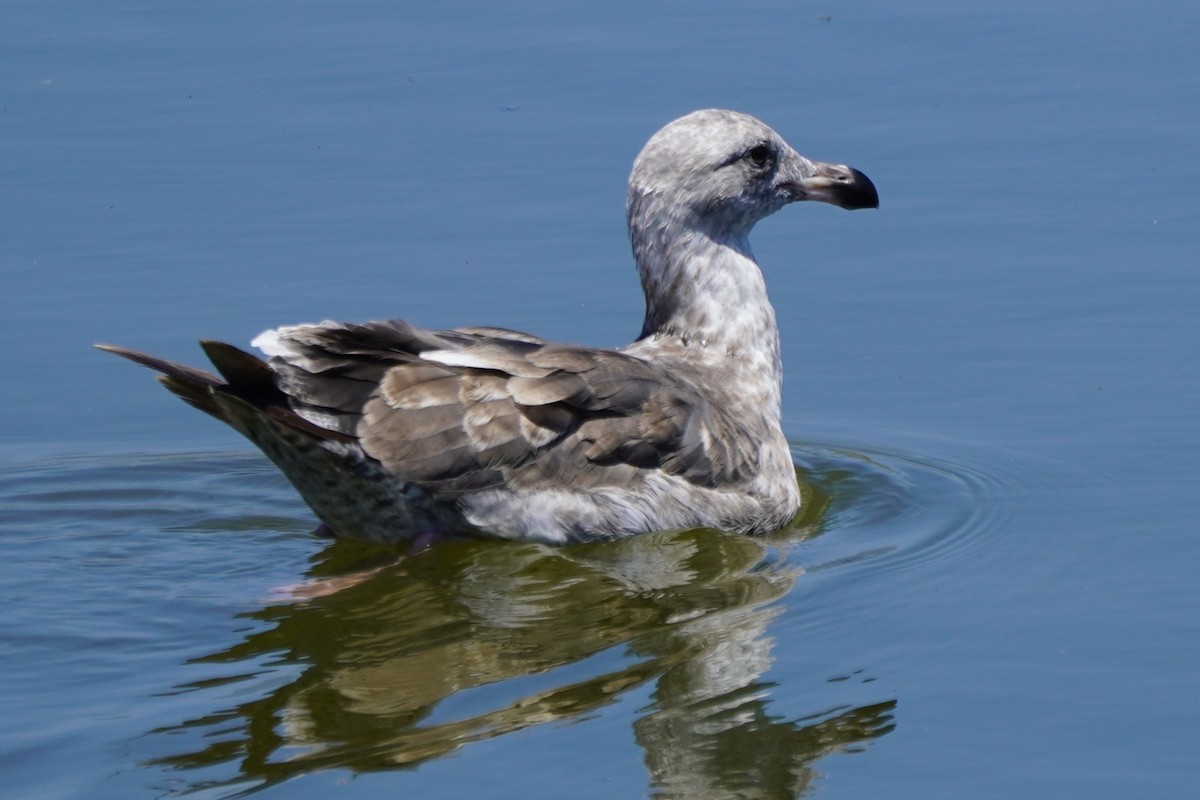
319 658
991 386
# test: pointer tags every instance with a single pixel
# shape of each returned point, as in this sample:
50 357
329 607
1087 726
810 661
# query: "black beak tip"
860 192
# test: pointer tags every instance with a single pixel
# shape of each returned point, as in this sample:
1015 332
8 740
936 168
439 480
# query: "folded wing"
469 409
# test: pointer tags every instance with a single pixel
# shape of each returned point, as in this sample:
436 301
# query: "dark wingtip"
247 374
112 348
193 386
162 365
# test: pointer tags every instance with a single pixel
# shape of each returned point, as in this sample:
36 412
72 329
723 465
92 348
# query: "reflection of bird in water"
686 612
392 432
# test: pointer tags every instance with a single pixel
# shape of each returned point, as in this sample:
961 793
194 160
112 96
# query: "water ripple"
400 660
905 511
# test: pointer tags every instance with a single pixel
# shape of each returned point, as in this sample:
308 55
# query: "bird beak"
836 184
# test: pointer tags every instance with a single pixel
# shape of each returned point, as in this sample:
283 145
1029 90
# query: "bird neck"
707 300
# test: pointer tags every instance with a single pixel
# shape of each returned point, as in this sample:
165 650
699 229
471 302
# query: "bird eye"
759 156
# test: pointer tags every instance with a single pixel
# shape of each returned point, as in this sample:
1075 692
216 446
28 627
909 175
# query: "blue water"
991 386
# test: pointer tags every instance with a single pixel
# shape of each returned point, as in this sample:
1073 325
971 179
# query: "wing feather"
473 408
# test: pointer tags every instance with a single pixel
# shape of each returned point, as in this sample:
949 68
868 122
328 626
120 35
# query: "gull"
395 433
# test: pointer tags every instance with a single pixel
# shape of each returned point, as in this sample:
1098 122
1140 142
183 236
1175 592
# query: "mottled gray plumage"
392 432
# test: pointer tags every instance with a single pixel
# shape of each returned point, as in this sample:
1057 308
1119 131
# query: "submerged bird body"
391 432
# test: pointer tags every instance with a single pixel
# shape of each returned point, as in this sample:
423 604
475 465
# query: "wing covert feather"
471 408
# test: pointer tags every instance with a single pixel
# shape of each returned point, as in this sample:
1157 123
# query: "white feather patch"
457 358
276 341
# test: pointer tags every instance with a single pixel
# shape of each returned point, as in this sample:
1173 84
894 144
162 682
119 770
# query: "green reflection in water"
380 662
